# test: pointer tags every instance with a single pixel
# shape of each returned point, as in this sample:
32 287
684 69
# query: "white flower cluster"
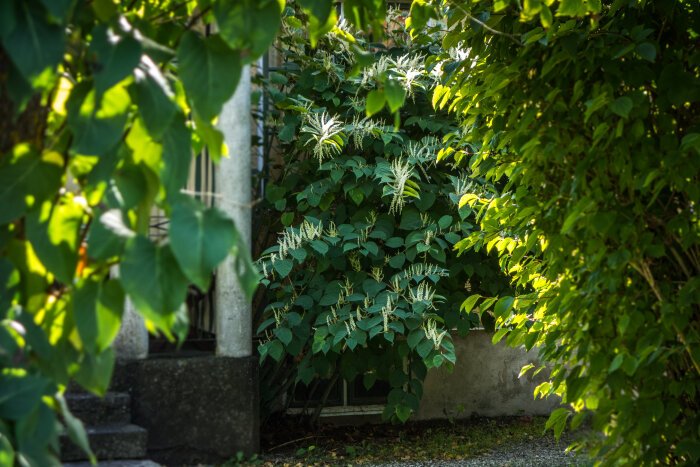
422 293
363 127
323 129
401 171
421 269
431 333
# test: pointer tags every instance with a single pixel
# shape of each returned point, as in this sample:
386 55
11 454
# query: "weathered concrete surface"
233 185
92 410
484 382
132 340
198 409
119 441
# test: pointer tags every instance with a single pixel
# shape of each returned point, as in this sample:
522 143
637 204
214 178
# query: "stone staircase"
108 424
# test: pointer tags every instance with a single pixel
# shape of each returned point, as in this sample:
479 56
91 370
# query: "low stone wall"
484 382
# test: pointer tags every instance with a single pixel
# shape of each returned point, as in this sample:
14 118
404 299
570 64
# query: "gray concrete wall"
484 382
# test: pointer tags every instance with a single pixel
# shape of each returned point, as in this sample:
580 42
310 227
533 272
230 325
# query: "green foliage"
584 115
102 106
362 280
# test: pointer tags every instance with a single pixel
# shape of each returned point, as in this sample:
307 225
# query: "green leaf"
155 104
212 137
74 427
59 9
557 421
283 267
176 157
152 278
421 12
617 361
95 371
200 239
375 102
395 95
320 246
34 44
19 172
243 268
249 25
571 8
403 412
647 51
394 242
357 195
113 58
424 348
209 70
288 218
97 126
55 234
469 303
622 106
410 220
284 335
415 337
275 350
20 394
499 335
368 380
322 18
444 222
97 308
503 306
298 254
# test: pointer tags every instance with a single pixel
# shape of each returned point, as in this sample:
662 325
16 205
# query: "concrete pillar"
131 342
233 185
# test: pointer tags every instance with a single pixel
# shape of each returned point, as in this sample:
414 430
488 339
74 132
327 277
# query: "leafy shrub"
363 276
587 113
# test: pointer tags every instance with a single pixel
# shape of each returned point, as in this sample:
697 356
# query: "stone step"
113 408
119 463
109 442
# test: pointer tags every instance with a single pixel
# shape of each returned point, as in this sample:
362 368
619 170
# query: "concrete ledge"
196 409
484 382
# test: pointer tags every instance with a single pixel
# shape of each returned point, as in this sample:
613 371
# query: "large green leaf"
55 233
60 9
155 105
74 427
113 57
152 278
246 272
34 44
200 239
107 235
20 393
95 371
250 25
7 20
19 173
177 155
209 70
395 94
97 308
97 126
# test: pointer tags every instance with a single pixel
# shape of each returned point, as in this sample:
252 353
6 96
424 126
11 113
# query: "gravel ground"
543 452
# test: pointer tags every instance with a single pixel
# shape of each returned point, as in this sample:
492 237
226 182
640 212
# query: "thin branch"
489 28
293 441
